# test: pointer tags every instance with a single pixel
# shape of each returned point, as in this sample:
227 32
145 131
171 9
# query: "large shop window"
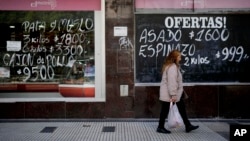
51 53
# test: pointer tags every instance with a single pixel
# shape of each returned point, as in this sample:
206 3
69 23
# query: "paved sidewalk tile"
106 131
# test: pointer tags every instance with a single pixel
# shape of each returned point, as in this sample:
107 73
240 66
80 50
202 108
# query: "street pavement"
110 130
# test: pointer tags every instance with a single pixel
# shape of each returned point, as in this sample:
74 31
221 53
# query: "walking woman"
171 90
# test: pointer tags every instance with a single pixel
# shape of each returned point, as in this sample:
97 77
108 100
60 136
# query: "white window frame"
100 79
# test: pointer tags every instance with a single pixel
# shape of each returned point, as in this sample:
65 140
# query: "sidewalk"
110 130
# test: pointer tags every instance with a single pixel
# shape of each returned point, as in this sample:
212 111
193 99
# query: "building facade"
101 59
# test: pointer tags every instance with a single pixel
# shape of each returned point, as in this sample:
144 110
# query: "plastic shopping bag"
174 117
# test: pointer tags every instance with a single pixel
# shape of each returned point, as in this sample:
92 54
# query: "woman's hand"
173 98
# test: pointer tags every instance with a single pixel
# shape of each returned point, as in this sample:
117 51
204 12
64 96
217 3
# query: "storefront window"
52 51
47 47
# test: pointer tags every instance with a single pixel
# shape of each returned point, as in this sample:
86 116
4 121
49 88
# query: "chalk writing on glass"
155 43
56 45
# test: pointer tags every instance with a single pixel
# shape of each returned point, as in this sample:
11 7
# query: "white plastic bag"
174 117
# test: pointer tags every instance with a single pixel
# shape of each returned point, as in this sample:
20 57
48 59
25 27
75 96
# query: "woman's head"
173 57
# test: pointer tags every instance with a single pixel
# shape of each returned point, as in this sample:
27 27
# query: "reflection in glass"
79 72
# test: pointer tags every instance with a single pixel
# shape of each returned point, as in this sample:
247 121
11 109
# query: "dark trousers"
165 110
